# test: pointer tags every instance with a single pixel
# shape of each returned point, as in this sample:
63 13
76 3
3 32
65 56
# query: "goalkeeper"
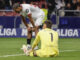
49 42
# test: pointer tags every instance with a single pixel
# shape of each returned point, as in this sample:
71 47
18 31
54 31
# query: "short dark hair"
16 5
48 23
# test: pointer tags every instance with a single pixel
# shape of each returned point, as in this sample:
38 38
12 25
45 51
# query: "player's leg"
33 53
28 52
29 37
36 29
29 34
42 53
38 53
38 23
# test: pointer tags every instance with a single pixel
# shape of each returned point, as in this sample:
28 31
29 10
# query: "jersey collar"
47 29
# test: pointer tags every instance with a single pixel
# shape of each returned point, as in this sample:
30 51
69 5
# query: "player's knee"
34 53
37 27
30 30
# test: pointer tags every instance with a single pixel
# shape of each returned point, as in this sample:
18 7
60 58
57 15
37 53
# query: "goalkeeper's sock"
29 41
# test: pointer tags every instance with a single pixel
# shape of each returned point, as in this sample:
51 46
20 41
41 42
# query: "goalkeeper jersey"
49 41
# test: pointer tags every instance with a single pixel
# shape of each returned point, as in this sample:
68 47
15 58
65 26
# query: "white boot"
24 48
28 47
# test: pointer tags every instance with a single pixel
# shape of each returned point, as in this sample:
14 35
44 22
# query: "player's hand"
29 28
29 50
33 29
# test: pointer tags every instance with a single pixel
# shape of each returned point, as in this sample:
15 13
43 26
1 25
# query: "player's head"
47 24
17 8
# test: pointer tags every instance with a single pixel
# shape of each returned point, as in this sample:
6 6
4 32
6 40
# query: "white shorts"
38 21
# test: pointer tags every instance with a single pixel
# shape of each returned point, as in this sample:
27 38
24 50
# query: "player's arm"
36 41
24 20
29 15
31 20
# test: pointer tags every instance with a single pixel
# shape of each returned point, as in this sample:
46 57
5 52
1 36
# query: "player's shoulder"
25 5
41 31
54 31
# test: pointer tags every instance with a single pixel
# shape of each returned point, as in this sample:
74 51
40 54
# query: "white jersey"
37 14
31 9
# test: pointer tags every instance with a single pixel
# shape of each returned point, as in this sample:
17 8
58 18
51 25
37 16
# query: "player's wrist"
32 48
34 26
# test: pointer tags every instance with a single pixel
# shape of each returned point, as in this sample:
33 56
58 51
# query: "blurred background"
64 14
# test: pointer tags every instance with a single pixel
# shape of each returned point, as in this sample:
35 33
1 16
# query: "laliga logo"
68 32
8 32
61 32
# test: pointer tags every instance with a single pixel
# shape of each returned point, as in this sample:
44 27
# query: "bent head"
17 8
47 24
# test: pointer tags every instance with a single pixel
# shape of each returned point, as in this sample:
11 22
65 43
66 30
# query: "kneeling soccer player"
49 42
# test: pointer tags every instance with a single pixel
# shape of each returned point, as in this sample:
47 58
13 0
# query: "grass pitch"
10 49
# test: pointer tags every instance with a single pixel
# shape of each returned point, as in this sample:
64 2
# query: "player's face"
17 10
44 26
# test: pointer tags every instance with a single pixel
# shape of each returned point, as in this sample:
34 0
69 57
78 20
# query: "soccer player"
35 16
49 42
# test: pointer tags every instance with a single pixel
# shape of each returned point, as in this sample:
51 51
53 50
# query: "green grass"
69 49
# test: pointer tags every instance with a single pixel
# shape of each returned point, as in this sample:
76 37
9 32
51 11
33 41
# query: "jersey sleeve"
36 41
27 11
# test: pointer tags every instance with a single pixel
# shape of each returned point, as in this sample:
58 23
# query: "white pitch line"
24 54
69 50
12 55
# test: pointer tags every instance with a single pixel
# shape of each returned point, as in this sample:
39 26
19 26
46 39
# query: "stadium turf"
10 49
